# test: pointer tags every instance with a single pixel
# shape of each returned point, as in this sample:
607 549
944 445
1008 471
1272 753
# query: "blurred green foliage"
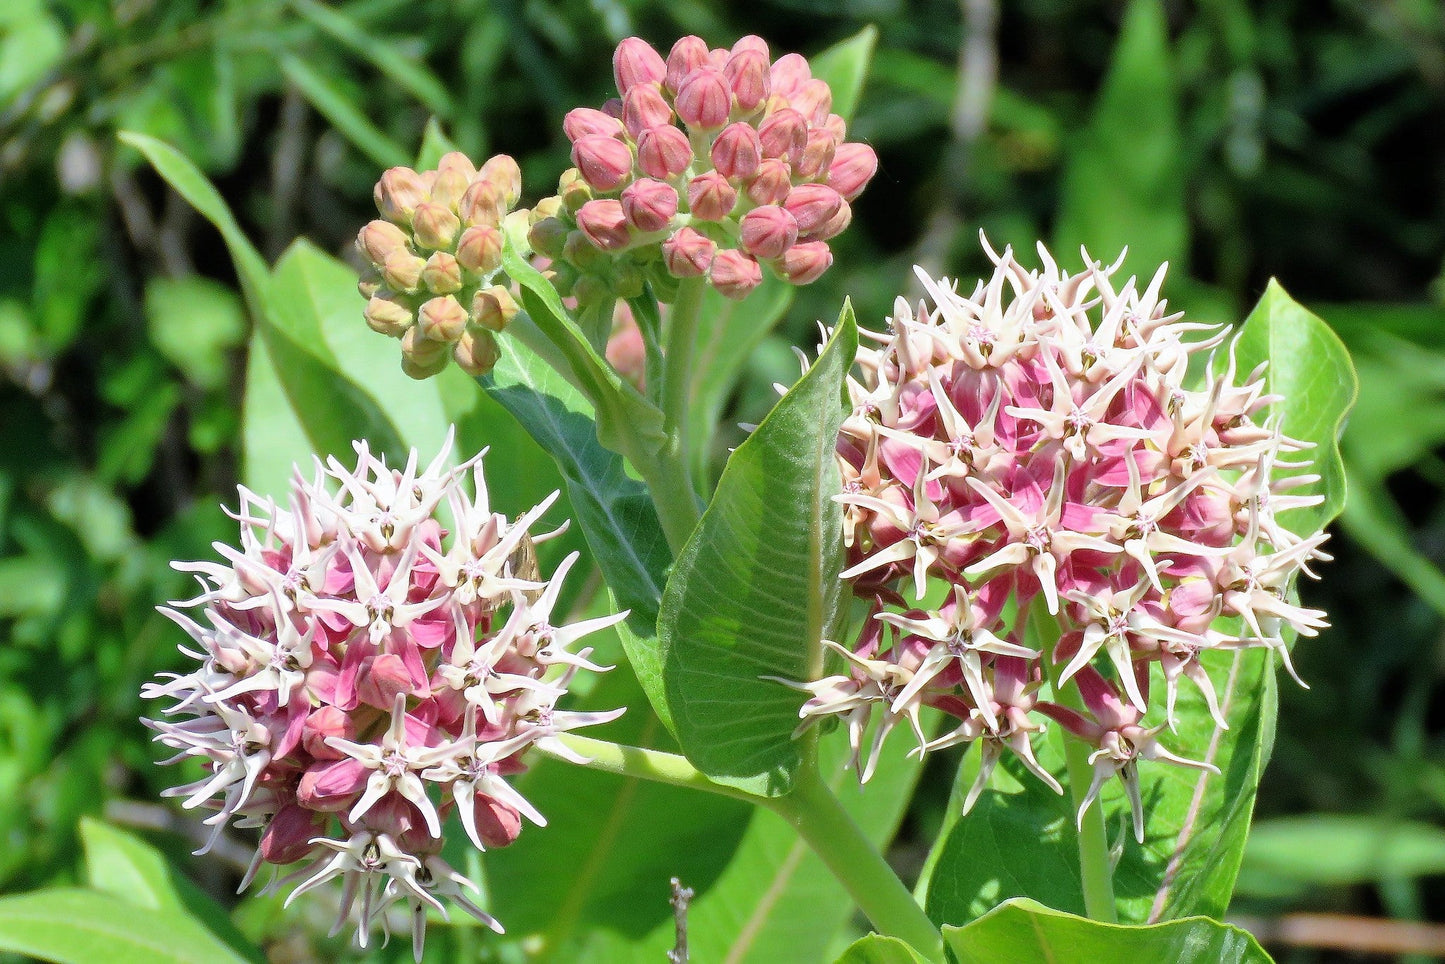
1238 140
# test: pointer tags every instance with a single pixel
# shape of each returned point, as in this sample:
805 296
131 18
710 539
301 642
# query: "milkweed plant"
1044 525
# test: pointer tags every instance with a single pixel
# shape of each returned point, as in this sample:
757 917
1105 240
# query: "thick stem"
669 482
828 829
681 340
634 761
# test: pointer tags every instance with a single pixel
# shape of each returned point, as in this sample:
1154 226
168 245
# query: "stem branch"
634 761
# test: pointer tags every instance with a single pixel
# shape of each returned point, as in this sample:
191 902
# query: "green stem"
821 821
681 340
655 765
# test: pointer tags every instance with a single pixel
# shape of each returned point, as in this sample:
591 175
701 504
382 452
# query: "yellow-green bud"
369 282
629 281
449 187
591 290
547 237
548 207
435 226
493 308
577 250
388 314
442 274
442 319
574 191
504 173
420 356
458 162
480 249
481 204
477 352
398 193
379 239
402 270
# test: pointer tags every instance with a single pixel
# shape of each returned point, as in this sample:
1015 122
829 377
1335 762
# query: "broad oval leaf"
1026 932
757 586
845 66
877 949
73 926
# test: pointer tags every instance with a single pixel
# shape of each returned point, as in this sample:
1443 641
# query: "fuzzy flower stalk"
1038 444
363 672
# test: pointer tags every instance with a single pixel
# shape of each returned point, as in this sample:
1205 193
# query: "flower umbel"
1040 439
360 678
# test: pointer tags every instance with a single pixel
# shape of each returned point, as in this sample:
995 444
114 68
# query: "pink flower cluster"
1036 445
728 160
361 676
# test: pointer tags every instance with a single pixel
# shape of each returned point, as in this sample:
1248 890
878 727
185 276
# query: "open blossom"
726 160
1040 441
363 672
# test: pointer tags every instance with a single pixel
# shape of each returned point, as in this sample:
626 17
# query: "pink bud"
772 182
581 121
784 134
379 239
480 249
612 107
817 155
289 833
402 270
734 274
635 62
710 197
812 205
687 254
443 320
804 263
398 193
497 824
450 184
813 99
434 225
329 787
649 205
752 42
476 352
853 167
455 162
442 274
323 723
736 152
505 176
705 99
388 675
605 162
768 231
493 308
604 224
663 152
836 126
687 54
832 227
643 107
388 314
747 73
482 204
788 73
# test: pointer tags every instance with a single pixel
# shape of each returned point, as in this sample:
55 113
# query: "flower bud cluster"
435 258
360 678
1040 441
712 163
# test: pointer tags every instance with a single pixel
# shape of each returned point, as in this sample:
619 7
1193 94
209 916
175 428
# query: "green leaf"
1310 368
1124 183
194 322
31 43
1294 853
877 949
72 926
1026 932
333 103
272 436
191 184
756 588
845 66
434 144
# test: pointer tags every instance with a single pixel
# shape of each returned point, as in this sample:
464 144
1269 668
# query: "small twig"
152 816
1342 932
681 896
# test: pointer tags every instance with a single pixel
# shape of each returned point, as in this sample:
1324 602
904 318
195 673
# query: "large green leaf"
73 926
877 949
1026 932
1124 182
756 587
845 66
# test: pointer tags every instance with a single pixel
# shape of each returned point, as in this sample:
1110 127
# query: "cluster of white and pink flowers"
727 160
1042 441
364 672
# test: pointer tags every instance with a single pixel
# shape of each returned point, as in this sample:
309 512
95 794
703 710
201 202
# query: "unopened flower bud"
476 352
481 204
705 100
370 281
710 197
752 42
387 314
768 231
687 54
813 99
649 205
592 290
605 224
836 126
772 183
493 308
442 319
688 254
451 183
398 193
434 226
663 152
573 189
479 250
605 162
643 107
737 151
427 357
402 270
734 274
788 73
635 62
832 227
443 272
580 252
817 155
813 205
784 134
853 167
458 163
747 73
502 172
802 264
581 121
547 237
379 239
